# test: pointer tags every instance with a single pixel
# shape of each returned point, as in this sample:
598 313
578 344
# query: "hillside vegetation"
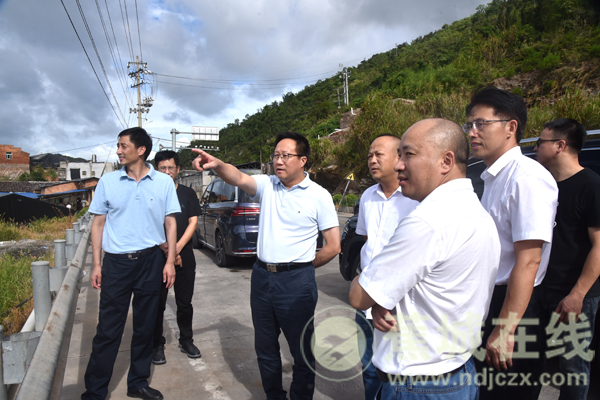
547 51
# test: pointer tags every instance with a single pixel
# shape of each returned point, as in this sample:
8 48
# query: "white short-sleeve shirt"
378 218
438 271
290 219
521 196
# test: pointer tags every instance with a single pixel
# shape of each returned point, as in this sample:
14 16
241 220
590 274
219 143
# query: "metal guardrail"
44 377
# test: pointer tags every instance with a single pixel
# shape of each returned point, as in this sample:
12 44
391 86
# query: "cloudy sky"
236 55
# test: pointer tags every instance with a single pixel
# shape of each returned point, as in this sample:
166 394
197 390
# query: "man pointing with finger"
283 288
133 208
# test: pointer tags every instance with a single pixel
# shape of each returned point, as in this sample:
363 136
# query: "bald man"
432 283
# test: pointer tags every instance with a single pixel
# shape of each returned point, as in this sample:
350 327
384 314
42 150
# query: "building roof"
23 187
19 209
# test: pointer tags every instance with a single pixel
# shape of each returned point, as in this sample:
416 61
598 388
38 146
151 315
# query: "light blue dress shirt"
135 211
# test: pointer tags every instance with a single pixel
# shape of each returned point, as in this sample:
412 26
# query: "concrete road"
223 332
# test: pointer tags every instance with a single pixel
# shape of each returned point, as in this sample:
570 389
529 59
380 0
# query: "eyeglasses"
165 169
479 124
540 141
284 157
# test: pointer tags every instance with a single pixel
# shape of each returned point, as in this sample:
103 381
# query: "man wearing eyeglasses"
167 162
571 289
521 197
293 209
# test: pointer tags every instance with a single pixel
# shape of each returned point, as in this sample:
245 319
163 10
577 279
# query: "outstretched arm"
227 172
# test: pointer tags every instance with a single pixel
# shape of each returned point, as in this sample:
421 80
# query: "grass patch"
15 271
16 287
48 229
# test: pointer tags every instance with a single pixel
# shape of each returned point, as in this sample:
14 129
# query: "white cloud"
51 101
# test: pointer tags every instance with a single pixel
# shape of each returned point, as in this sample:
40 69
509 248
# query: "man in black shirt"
571 287
185 266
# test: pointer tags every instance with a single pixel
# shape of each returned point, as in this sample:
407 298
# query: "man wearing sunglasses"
571 288
283 297
521 197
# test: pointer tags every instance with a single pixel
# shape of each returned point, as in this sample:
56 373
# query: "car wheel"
356 267
195 242
222 259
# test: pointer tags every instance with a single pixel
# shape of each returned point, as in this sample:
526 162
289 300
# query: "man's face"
293 168
168 167
545 151
417 168
383 156
127 152
489 143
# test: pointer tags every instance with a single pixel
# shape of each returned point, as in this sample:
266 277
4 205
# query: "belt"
281 266
383 377
134 255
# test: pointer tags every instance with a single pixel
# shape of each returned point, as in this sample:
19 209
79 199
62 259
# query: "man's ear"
141 150
511 130
562 145
447 161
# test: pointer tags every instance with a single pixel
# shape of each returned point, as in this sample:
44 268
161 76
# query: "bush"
349 200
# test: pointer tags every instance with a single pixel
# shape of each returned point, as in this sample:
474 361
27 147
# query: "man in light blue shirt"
133 208
293 209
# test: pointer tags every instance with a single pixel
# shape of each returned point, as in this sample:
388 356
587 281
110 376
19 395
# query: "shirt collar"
380 192
304 184
503 161
151 173
443 191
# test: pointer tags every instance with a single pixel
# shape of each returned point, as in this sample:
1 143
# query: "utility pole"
344 75
140 68
338 101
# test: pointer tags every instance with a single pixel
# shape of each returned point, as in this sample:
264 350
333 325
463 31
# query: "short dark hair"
302 146
139 137
570 130
166 155
505 104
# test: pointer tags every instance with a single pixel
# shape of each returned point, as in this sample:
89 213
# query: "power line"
98 55
128 28
110 48
235 88
127 38
85 147
90 61
138 26
214 80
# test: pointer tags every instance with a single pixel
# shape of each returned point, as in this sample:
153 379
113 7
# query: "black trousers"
510 384
185 278
120 279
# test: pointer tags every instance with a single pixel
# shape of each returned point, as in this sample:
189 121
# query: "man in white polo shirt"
437 272
382 207
521 196
293 209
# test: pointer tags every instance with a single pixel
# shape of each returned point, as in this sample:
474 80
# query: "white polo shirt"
290 219
521 196
378 218
438 271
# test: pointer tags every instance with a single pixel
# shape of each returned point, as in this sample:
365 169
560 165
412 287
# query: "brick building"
13 161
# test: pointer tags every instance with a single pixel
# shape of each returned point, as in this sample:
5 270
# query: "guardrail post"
71 247
78 233
42 303
3 393
60 255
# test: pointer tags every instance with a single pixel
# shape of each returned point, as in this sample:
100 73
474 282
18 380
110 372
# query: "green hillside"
546 51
